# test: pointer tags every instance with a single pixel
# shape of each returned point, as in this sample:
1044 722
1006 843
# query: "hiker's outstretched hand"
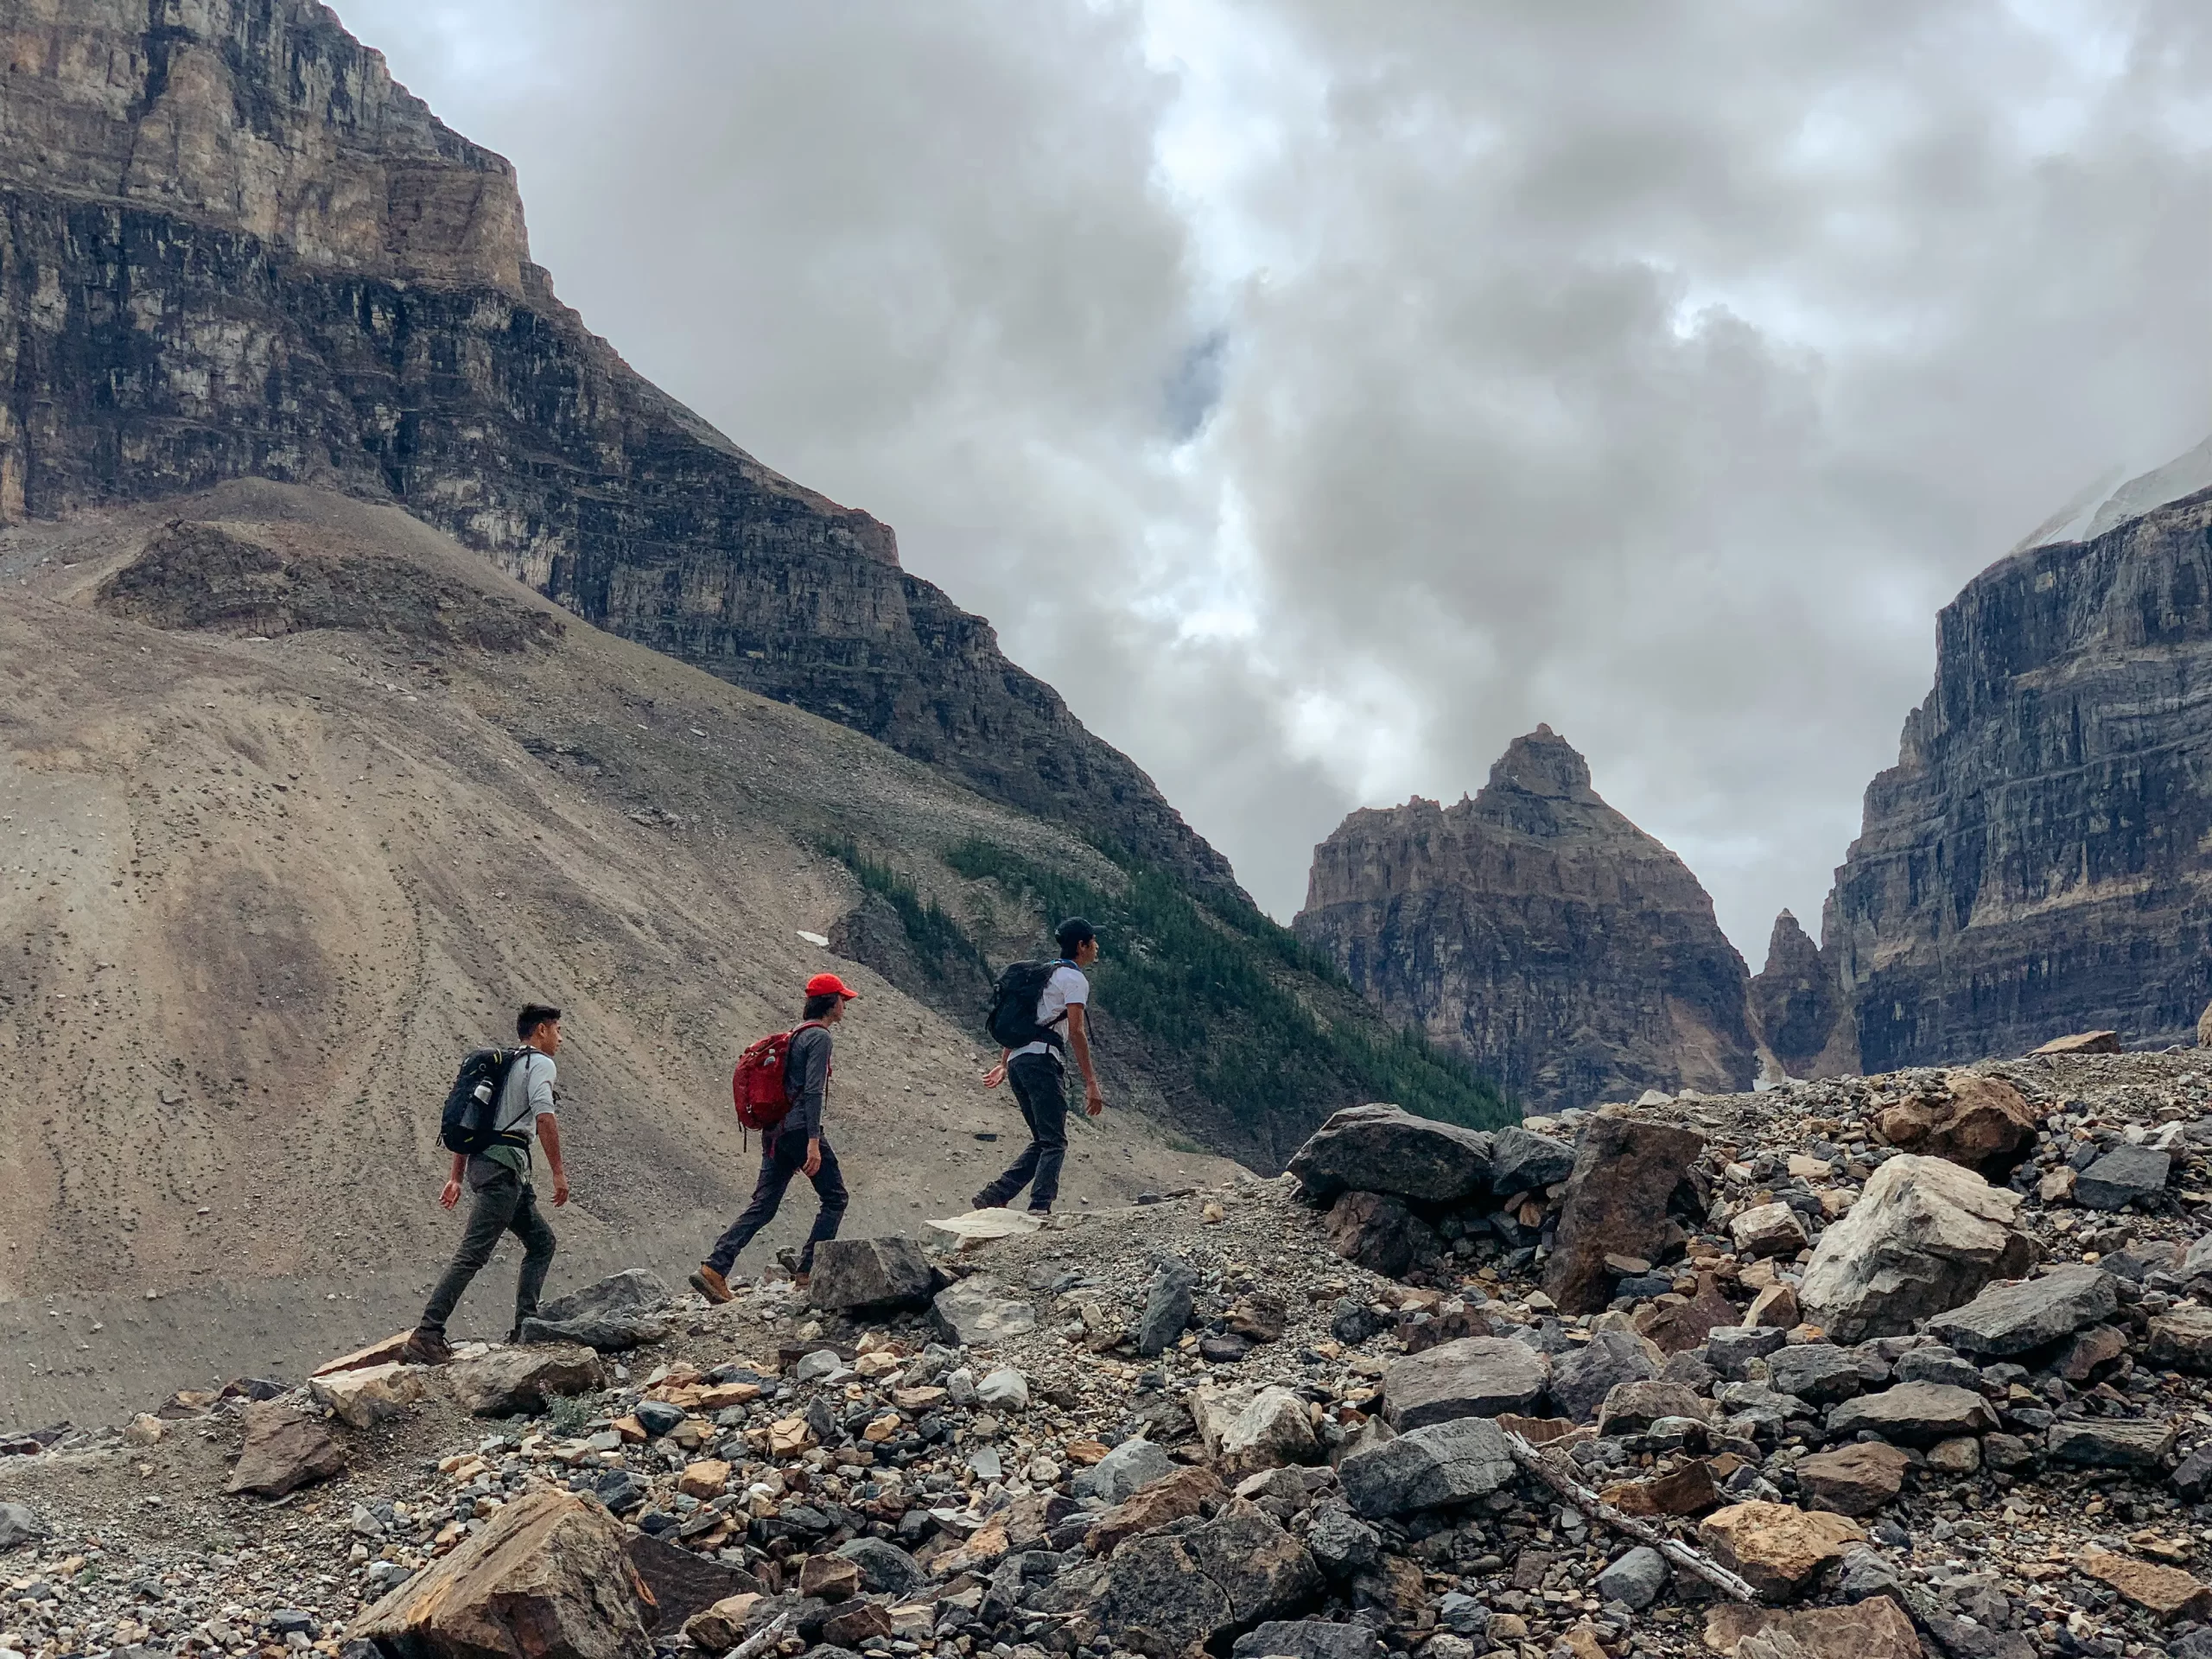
996 1076
451 1196
1094 1101
560 1191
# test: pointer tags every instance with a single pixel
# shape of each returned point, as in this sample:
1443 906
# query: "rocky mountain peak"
1571 955
1796 1002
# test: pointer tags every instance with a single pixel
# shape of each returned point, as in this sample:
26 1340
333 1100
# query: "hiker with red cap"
793 1144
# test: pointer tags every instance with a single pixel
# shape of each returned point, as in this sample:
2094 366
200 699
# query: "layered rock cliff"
232 246
1535 929
2039 860
1797 1004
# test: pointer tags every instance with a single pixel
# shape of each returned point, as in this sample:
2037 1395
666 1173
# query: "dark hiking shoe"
427 1347
710 1284
1040 1211
985 1201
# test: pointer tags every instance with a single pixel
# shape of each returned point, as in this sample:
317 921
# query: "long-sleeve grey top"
806 1081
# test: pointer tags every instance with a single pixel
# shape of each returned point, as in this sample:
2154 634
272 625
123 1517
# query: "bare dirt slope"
298 799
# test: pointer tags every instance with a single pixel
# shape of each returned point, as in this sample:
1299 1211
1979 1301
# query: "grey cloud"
1653 368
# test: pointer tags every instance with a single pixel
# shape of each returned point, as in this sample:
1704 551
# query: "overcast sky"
1321 395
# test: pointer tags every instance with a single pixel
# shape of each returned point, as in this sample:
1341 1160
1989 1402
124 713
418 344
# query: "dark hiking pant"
505 1203
1039 1089
781 1158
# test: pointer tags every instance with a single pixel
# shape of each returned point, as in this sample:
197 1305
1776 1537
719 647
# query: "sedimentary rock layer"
232 246
2037 862
1540 932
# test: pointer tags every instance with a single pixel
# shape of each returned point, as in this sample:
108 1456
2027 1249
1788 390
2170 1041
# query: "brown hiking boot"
427 1347
801 1280
710 1284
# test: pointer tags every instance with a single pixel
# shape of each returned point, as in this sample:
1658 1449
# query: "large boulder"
1777 1549
1387 1149
506 1381
1475 1377
1915 1414
1245 1431
1877 1628
1376 1231
2012 1318
1854 1479
1180 1496
870 1276
1169 1595
1167 1306
2122 1176
1582 1377
548 1578
1625 1174
977 1313
1983 1124
284 1450
1309 1638
682 1582
372 1394
1924 1236
1444 1464
19 1524
1525 1162
631 1293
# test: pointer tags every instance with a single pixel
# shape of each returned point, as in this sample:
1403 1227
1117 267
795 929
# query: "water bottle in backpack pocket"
471 1111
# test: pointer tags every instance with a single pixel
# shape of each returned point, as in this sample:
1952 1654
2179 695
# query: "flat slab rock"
1915 1414
2012 1318
1428 1468
1475 1377
1379 1148
1856 1479
506 1381
1875 1628
2122 1176
2110 1443
548 1575
978 1312
2166 1593
1777 1547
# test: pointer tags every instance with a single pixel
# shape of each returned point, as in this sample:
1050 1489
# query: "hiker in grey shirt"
506 1199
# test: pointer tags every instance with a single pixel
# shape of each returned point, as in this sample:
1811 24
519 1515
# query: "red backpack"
757 1086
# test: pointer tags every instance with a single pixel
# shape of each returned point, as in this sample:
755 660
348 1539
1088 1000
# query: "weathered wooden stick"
761 1640
1597 1508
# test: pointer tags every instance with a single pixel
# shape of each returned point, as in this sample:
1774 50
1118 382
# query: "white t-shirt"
1067 988
527 1097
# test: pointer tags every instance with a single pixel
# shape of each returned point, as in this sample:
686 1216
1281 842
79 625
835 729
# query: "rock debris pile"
1888 1366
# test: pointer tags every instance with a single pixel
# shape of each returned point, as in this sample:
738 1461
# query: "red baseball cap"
829 985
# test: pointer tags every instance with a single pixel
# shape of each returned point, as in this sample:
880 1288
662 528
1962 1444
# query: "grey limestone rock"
1446 1463
1381 1148
2012 1318
978 1312
2122 1176
1925 1236
19 1524
1583 1377
1637 1578
875 1276
1523 1163
1915 1414
1167 1306
1474 1376
1129 1466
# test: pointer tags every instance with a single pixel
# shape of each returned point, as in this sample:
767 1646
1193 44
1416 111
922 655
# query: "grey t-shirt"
527 1095
806 1081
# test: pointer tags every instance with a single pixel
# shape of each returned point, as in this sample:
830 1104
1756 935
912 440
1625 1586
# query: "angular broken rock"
2110 1443
371 1396
506 1381
1857 1479
2182 1340
546 1578
1983 1124
1446 1463
1625 1172
604 1334
1167 1306
1818 1373
2011 1318
1778 1549
978 1312
1582 1378
1184 1493
1375 1230
869 1275
1309 1638
1674 1326
1915 1414
284 1450
1686 1490
1128 1468
1924 1236
2165 1593
1475 1377
1632 1408
2122 1176
682 1582
1522 1162
1875 1628
1385 1149
1172 1594
632 1293
1768 1230
719 1626
1246 1431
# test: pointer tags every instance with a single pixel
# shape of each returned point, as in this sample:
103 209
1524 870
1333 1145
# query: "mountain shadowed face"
1318 398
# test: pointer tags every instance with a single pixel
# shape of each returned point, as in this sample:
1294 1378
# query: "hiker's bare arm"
1094 1098
451 1196
996 1074
549 1136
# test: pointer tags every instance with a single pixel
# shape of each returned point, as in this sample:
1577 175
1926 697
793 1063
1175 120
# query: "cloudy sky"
1320 395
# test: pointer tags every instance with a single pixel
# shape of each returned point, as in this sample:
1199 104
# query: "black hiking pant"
1039 1089
505 1203
782 1157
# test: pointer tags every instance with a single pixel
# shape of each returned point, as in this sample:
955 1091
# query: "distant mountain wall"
1534 929
232 246
2039 860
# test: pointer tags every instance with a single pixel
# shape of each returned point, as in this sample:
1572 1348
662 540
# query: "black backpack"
1012 1022
473 1103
